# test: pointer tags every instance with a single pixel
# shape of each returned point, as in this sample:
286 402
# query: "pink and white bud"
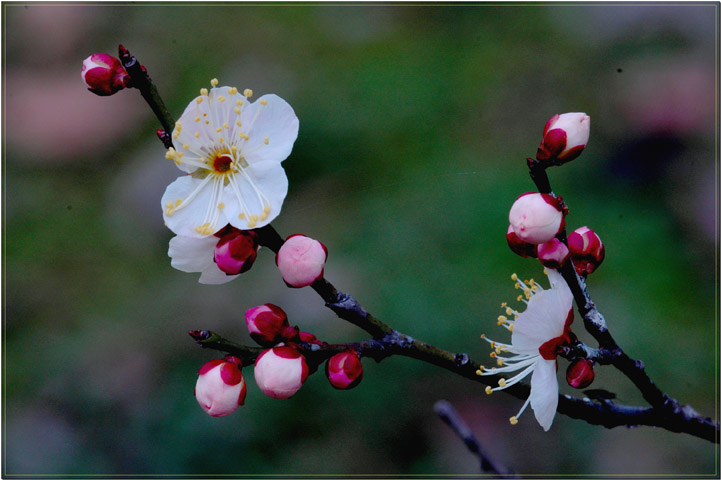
236 250
280 371
553 254
564 137
580 373
587 250
103 74
301 260
518 246
344 370
220 388
536 217
267 324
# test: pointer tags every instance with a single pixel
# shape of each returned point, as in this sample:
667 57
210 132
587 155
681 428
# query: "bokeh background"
415 122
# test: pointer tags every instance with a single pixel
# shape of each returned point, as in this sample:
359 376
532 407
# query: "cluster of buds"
104 74
537 219
280 370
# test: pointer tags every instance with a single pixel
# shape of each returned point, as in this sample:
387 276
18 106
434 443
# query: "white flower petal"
270 181
559 284
191 254
195 196
212 275
544 392
275 121
542 321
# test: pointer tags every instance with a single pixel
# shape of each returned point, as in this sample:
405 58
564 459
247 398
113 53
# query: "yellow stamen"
248 92
214 82
501 383
203 92
513 420
489 390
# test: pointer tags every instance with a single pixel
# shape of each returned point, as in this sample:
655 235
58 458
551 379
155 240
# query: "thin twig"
450 416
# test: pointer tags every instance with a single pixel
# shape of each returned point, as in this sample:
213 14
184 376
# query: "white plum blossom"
231 149
536 333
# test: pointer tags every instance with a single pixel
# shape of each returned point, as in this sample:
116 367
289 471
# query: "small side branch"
451 418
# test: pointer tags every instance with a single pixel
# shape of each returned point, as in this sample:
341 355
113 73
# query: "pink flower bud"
518 246
103 74
580 373
236 250
280 371
587 250
220 388
301 260
266 324
536 217
553 253
564 137
344 370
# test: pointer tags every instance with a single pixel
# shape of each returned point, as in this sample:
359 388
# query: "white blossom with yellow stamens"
231 149
535 333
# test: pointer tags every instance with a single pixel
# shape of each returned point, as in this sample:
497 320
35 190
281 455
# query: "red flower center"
222 162
548 349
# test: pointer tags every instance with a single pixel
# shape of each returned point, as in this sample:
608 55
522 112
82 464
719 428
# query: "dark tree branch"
665 411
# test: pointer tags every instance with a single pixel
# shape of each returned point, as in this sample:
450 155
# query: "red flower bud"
344 370
220 388
587 250
536 217
564 137
236 250
580 373
309 338
267 324
103 74
518 246
553 254
280 371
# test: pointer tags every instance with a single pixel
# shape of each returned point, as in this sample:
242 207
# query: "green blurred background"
415 122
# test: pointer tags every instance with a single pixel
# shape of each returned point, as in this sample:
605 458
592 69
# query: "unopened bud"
103 74
536 217
344 370
587 250
266 324
564 137
580 373
301 260
309 338
220 388
518 246
236 250
280 371
553 253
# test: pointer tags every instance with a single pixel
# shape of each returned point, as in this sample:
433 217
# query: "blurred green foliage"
414 125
